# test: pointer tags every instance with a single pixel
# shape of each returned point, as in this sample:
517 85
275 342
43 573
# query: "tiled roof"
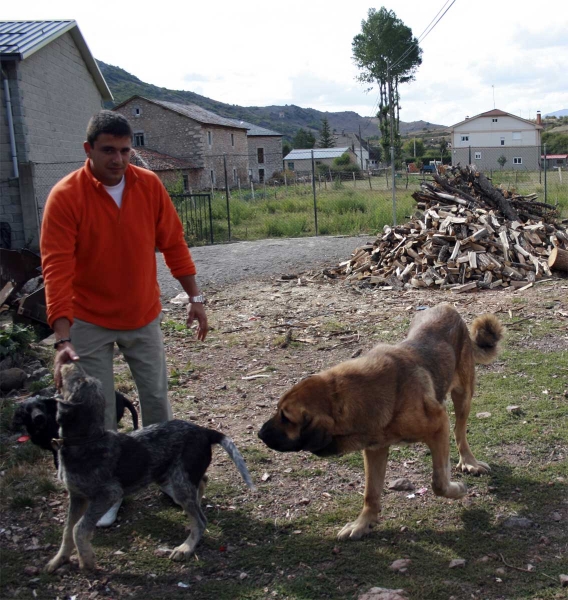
192 111
156 161
495 113
20 39
256 130
319 153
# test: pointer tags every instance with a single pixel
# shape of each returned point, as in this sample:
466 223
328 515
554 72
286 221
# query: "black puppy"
37 416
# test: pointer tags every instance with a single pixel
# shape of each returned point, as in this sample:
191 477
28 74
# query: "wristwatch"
196 299
61 341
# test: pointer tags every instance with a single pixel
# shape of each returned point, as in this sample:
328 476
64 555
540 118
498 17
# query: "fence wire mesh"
319 192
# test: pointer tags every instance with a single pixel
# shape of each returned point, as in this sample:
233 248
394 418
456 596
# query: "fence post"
545 170
210 221
227 194
314 192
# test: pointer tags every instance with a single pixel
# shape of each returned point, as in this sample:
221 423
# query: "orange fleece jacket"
99 262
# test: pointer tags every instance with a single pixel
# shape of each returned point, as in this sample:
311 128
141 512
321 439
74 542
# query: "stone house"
206 141
495 138
264 152
51 86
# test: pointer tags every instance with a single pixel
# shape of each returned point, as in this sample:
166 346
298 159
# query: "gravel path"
228 263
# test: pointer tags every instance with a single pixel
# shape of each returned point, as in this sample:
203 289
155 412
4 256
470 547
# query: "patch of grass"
44 382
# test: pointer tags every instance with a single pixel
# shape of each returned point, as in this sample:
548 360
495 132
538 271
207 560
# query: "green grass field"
347 207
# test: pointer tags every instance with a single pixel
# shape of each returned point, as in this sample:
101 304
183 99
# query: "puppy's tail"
238 459
486 332
132 410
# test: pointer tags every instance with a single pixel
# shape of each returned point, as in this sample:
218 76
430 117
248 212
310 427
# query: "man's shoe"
110 516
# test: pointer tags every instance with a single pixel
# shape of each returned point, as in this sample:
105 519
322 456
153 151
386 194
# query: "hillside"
558 113
284 119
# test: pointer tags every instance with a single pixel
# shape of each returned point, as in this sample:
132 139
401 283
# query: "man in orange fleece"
100 229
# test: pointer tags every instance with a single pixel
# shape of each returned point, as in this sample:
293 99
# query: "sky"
505 54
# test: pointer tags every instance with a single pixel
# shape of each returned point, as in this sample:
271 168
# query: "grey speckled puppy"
98 467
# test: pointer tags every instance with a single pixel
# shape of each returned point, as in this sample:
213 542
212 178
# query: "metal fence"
216 202
46 175
194 211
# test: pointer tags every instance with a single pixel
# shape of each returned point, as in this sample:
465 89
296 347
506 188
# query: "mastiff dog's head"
303 420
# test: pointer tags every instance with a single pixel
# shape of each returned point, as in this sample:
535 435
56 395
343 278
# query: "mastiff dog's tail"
486 333
235 455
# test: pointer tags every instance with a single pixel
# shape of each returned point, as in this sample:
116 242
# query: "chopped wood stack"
468 234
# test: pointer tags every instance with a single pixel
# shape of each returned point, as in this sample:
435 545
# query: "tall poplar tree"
387 54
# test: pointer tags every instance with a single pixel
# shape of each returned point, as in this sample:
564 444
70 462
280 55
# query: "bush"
15 338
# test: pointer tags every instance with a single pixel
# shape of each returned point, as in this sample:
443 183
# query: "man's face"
109 157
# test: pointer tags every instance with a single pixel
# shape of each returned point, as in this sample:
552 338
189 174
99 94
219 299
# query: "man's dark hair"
107 121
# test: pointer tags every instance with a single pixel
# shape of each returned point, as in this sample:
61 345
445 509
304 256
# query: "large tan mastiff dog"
393 394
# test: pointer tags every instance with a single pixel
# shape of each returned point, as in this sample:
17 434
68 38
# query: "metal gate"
194 210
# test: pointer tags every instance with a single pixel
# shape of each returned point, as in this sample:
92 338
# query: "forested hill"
284 119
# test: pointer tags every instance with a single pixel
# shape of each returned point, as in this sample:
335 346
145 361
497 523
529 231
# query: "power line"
422 36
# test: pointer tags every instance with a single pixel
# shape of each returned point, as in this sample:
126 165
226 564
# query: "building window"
517 135
233 140
136 112
465 137
261 175
478 156
290 166
517 160
138 139
494 120
502 141
209 138
260 155
212 173
185 183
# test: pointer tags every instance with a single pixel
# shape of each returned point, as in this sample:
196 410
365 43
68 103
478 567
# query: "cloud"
541 40
191 77
310 90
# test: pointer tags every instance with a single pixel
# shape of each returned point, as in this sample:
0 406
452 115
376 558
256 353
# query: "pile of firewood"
467 234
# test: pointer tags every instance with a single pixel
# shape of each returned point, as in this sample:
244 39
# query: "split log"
558 260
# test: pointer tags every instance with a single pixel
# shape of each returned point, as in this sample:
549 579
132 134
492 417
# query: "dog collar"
58 443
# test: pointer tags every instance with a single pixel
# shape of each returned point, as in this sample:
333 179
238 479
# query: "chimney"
538 118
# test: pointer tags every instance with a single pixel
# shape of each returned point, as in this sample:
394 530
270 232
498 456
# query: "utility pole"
393 170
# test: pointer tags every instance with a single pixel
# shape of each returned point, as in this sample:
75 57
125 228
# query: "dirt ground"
269 330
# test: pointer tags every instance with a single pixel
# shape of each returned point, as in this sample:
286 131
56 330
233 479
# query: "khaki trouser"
143 350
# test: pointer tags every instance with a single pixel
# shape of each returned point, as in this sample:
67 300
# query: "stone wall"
171 133
272 150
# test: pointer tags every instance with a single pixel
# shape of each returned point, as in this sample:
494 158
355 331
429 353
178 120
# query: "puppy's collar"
58 443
